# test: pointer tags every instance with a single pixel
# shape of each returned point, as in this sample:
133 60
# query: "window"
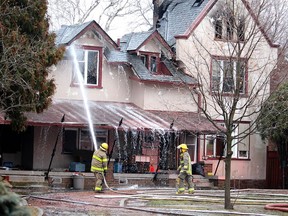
80 139
229 29
215 145
70 140
218 29
88 65
228 76
85 142
153 64
150 61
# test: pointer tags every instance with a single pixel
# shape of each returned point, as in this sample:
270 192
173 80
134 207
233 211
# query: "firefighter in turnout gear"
99 166
185 169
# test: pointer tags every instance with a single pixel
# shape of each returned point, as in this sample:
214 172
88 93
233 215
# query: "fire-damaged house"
136 97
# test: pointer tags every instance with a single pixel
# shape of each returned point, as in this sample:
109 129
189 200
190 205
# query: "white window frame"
235 132
85 61
218 67
234 147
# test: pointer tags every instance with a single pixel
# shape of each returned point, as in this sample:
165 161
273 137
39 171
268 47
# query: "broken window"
228 28
88 66
150 61
218 29
153 64
241 30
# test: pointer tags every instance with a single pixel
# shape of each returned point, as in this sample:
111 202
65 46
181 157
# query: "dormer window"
150 61
89 65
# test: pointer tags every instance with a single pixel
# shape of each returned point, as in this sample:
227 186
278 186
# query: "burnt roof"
132 41
176 16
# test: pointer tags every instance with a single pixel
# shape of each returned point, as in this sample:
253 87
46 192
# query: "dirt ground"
156 201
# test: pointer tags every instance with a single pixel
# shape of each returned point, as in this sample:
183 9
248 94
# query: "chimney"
156 4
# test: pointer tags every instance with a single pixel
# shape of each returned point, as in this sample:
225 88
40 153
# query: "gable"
150 41
210 6
66 35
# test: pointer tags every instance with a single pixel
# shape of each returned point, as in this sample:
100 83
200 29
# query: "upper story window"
230 29
150 61
228 76
89 64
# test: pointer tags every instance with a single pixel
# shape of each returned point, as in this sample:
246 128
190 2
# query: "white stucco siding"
115 84
155 46
137 93
197 51
151 46
44 142
168 98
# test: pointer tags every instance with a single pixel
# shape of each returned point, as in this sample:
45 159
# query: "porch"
34 181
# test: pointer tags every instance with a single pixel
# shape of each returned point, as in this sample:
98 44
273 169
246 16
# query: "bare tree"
132 14
233 65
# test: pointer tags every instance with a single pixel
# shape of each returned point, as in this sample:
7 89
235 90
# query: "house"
214 45
141 96
136 99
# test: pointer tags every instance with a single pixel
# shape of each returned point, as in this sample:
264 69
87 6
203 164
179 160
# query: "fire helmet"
182 146
104 146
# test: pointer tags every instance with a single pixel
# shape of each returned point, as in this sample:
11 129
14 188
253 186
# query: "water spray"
84 96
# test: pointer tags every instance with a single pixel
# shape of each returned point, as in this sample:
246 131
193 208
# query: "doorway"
191 141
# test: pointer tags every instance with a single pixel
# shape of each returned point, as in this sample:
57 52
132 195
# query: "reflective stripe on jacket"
99 161
185 163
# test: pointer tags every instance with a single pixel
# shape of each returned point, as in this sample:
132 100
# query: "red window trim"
100 50
149 55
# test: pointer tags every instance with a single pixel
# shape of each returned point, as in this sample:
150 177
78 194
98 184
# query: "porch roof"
109 114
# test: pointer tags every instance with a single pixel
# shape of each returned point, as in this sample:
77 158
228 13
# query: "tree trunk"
227 184
229 154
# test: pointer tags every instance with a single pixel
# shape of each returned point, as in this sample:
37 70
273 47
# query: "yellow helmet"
104 146
182 146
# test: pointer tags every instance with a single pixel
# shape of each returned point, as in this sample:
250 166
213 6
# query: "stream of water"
84 95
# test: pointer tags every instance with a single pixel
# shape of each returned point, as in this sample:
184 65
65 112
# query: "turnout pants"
98 181
182 177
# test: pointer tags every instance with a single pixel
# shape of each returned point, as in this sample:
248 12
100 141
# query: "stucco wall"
168 98
252 168
196 52
44 142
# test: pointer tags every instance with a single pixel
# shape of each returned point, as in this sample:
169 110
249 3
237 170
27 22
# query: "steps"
34 181
203 183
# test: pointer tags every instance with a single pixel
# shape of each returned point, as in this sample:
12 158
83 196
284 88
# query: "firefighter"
185 169
99 166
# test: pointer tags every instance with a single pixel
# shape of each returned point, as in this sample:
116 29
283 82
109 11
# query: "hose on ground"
105 182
